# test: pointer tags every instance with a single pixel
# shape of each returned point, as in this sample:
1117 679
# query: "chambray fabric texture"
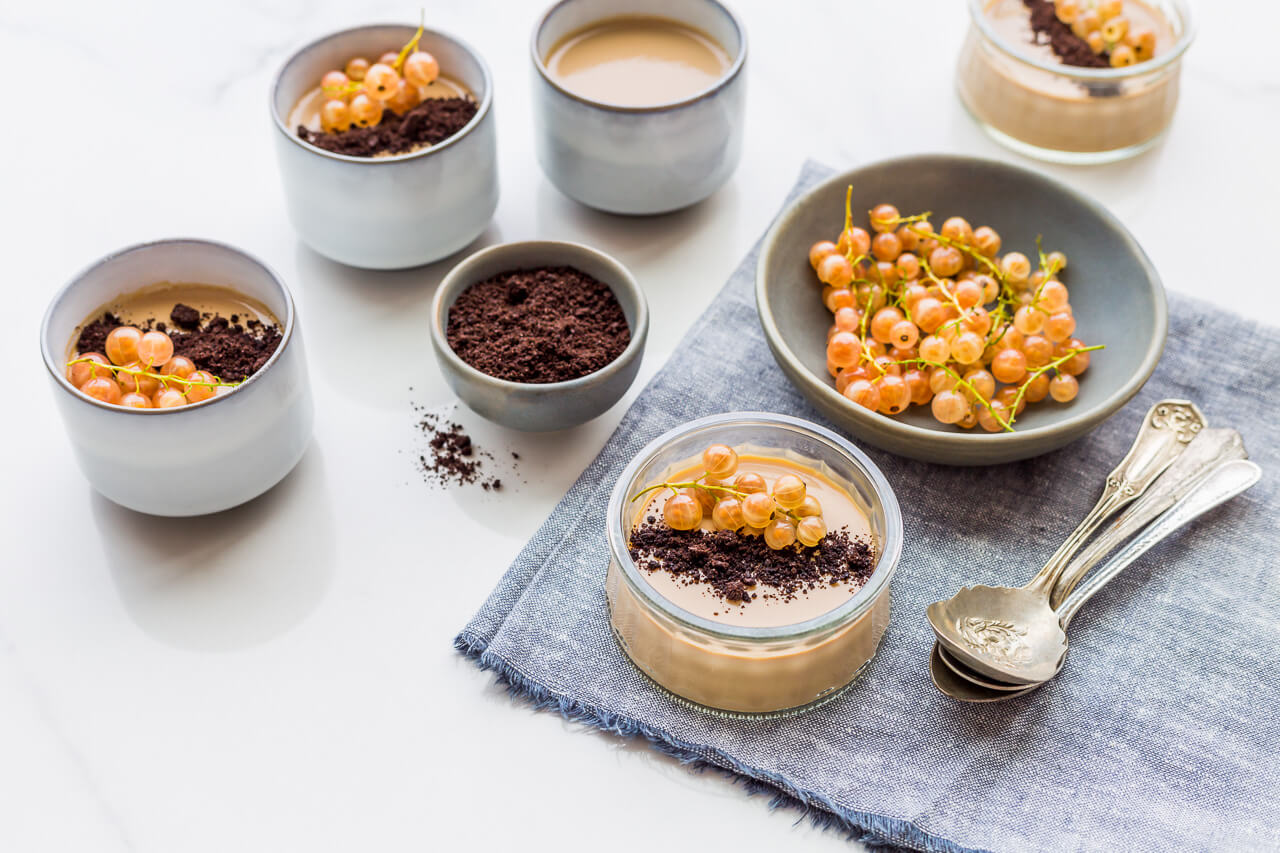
1162 733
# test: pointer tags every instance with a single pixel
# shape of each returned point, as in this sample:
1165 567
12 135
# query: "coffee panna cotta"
169 345
400 103
752 576
637 62
1118 84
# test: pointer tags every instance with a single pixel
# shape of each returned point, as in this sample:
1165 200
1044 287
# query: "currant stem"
675 487
163 380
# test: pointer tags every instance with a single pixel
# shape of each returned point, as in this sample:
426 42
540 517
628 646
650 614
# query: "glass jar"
1064 113
751 671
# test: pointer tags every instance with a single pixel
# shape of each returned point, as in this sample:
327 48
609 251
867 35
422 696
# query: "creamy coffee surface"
765 610
637 62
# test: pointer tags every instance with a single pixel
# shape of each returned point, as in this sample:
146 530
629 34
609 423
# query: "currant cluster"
1103 25
942 318
783 513
359 93
140 371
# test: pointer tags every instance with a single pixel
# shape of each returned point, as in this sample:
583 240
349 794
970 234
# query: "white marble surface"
280 677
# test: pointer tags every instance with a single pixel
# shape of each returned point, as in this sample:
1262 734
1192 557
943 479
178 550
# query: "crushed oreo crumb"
736 565
229 350
451 458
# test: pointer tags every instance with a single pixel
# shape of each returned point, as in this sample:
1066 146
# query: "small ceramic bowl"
195 459
1116 296
389 212
639 160
540 407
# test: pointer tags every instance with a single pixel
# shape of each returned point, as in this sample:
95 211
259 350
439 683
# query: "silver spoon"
1220 485
1205 452
1011 633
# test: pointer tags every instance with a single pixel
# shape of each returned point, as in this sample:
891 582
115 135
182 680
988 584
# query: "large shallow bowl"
1115 293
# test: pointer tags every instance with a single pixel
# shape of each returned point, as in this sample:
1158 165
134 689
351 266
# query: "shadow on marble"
368 331
202 583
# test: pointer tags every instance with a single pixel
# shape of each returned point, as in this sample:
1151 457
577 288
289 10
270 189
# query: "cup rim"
60 374
886 562
1158 63
482 110
734 70
459 278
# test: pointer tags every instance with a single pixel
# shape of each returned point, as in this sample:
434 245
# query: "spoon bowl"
959 687
1013 632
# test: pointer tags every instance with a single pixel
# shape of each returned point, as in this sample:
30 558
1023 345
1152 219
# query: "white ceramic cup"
397 211
194 459
639 160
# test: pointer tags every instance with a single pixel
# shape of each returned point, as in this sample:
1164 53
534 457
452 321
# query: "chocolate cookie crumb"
549 324
453 459
184 316
227 351
1068 46
730 562
432 121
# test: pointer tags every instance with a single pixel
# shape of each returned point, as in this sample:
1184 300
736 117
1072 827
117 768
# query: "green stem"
676 487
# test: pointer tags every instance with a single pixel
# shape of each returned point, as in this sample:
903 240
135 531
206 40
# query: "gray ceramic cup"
639 160
195 459
553 405
388 212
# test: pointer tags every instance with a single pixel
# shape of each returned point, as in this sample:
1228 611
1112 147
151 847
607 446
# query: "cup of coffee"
638 107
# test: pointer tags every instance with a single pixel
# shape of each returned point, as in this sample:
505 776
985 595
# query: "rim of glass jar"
1183 8
886 564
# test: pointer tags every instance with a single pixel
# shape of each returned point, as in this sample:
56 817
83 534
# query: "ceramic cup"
397 211
195 459
539 407
639 160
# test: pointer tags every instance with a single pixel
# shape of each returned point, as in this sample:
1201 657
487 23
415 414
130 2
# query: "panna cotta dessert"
633 61
1074 80
399 103
750 578
170 344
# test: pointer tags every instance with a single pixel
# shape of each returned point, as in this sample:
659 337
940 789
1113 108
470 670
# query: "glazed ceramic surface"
543 406
1116 295
639 160
388 212
200 458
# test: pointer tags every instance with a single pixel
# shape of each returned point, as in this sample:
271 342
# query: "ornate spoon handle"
1208 450
1221 485
1169 426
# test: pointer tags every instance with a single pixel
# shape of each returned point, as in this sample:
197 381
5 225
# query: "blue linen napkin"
1161 733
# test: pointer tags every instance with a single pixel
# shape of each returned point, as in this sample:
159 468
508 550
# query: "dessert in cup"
1075 81
386 145
179 372
638 108
751 559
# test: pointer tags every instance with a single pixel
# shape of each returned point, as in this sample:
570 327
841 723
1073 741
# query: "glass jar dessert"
783 626
1018 87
